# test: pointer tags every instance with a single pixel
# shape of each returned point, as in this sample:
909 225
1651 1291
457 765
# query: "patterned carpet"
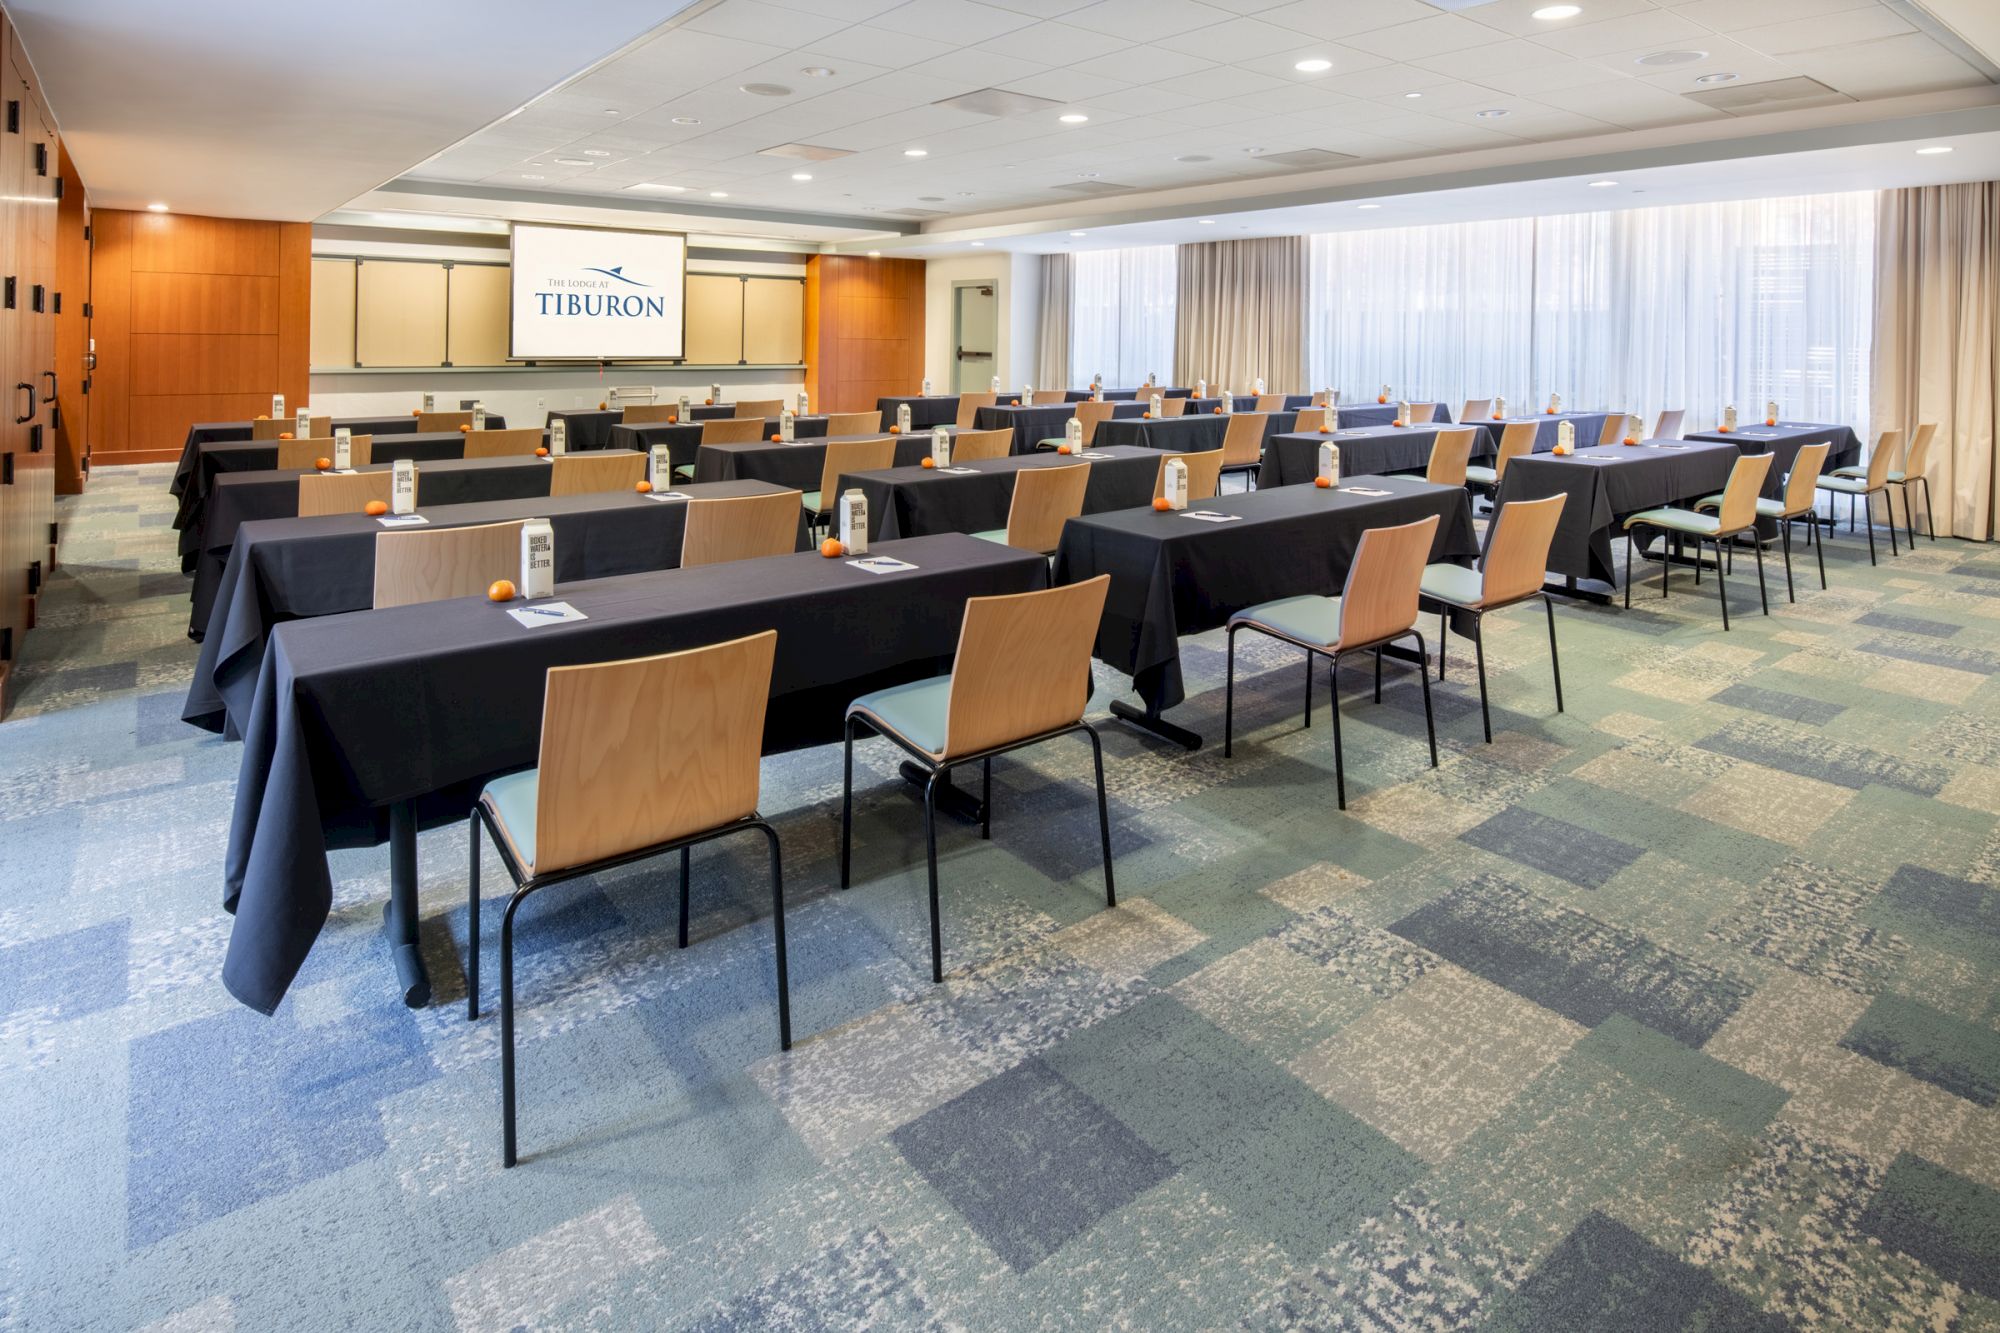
1677 1011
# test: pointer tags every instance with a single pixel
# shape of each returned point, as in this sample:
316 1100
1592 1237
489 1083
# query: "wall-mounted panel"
773 321
332 312
715 318
477 304
204 303
400 312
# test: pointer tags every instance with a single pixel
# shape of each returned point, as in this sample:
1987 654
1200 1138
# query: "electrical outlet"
541 401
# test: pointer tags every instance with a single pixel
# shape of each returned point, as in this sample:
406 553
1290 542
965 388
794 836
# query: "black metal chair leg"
472 926
1819 549
846 801
1930 514
1667 551
930 856
507 1156
1339 762
1309 692
1555 658
1430 722
1909 515
1378 673
1890 506
1444 615
1721 588
1229 697
1631 540
986 797
1763 596
778 937
687 869
1785 532
1871 527
1479 652
1103 815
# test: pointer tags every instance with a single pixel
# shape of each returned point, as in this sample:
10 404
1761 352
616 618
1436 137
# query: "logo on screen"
598 297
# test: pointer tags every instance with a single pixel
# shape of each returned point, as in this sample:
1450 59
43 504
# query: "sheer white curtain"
1122 316
1691 306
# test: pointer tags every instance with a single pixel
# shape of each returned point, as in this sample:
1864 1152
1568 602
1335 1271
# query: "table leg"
949 799
1149 719
399 915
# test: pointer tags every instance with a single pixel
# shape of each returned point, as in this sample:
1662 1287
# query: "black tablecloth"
916 502
204 432
1630 478
426 703
1589 429
1183 435
683 439
293 568
937 410
1032 425
1244 402
798 466
590 427
1786 439
1372 451
1173 575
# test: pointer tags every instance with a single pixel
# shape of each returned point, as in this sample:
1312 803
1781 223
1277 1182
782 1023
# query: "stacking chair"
648 755
1422 414
596 472
439 422
1516 438
1798 503
345 492
1475 409
1173 407
1736 515
969 405
853 423
1092 415
1243 446
504 443
1915 466
758 409
1006 691
1270 402
1377 605
1873 481
1045 498
649 414
1309 419
1512 571
1204 474
733 430
296 454
842 457
433 564
740 528
267 428
970 446
1450 450
1048 397
1668 427
1614 429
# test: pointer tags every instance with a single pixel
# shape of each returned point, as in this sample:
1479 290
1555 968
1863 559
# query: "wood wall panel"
864 330
196 319
72 329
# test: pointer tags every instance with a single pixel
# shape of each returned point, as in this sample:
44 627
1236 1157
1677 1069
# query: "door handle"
29 389
50 375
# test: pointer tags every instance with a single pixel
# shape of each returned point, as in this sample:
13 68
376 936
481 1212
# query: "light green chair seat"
1859 471
1845 485
916 712
512 800
1313 620
998 536
1765 508
685 472
1677 520
810 500
1453 583
1475 475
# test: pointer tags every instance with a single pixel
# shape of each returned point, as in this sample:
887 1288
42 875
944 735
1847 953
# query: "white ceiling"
1161 81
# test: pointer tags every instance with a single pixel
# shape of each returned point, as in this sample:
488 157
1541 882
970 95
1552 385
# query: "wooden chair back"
1270 402
1614 428
1045 498
740 528
1172 407
747 430
294 455
854 423
969 446
1310 419
503 443
1204 474
758 409
1917 460
1048 397
1517 559
433 564
649 414
844 456
1422 414
1243 441
1516 438
1092 415
345 493
1887 445
1023 665
1668 427
596 471
644 751
266 428
1800 485
1739 496
969 405
1451 450
1380 596
435 422
1475 409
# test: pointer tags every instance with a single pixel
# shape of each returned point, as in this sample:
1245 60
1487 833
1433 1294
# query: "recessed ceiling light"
156 208
1602 185
916 152
817 72
1934 150
597 152
1194 157
529 176
874 254
611 111
1073 118
718 194
1550 13
1253 150
1413 96
979 245
1368 205
1671 58
764 89
1079 233
663 189
802 175
1204 222
1494 114
687 120
1316 65
1716 78
572 161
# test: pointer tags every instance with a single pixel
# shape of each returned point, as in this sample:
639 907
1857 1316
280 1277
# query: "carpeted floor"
1677 1011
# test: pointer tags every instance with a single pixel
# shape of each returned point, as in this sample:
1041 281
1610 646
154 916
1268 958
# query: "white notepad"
1211 516
669 495
881 564
402 520
548 613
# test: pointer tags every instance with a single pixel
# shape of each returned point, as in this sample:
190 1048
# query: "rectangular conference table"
1182 435
282 569
205 432
683 438
366 726
1589 429
241 497
1032 425
1786 439
1292 457
919 501
590 427
1173 575
799 466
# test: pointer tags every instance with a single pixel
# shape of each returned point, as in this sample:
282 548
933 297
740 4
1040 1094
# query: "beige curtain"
1052 330
1937 340
1242 314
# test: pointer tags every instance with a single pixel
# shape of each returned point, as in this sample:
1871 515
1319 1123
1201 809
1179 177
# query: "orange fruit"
1145 416
416 411
643 487
895 430
929 461
1498 417
1770 421
708 402
1550 410
1396 423
263 416
1216 410
1160 503
1326 430
542 451
1380 399
322 463
673 417
500 590
1631 439
285 435
831 547
1062 448
1324 483
1722 430
375 508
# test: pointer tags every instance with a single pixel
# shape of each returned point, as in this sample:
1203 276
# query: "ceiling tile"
1336 20
753 20
1425 37
1659 28
1517 17
953 22
1825 31
1054 43
1145 18
1238 39
1887 68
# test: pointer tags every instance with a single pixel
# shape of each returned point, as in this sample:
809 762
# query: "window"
1122 316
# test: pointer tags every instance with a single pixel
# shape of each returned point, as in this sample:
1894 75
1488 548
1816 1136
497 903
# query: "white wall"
1018 291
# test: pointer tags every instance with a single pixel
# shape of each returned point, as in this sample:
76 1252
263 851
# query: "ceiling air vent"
1742 99
1306 159
916 212
995 102
1091 187
810 152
